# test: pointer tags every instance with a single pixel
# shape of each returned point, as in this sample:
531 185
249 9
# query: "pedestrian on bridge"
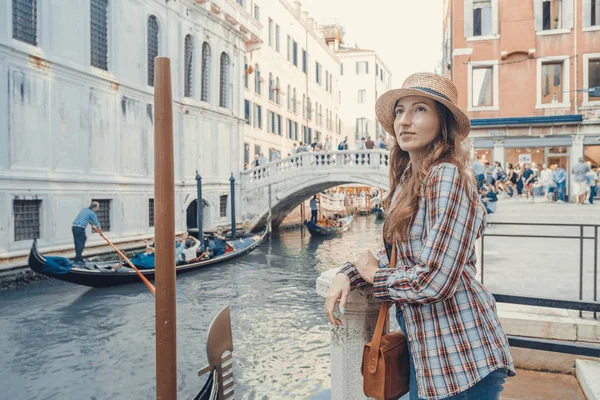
456 345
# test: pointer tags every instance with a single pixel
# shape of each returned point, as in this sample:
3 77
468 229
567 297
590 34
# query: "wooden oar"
142 277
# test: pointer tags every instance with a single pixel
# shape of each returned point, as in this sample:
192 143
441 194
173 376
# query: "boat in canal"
101 274
329 227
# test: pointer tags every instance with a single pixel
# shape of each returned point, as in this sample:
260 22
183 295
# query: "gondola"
340 226
101 274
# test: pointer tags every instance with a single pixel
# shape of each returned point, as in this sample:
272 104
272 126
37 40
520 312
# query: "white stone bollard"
347 342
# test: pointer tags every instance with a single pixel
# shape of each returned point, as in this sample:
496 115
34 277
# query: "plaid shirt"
454 332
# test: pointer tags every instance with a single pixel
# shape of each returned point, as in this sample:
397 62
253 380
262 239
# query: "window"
304 61
152 47
257 150
224 81
223 205
342 69
362 67
482 17
270 32
362 95
552 82
256 12
257 79
327 80
240 2
188 66
304 110
593 78
98 33
150 213
289 97
306 135
257 120
289 48
277 91
246 153
295 131
27 219
318 77
294 101
206 71
318 118
279 123
483 86
295 53
103 213
552 15
361 128
277 44
246 75
591 13
271 88
309 109
24 13
247 110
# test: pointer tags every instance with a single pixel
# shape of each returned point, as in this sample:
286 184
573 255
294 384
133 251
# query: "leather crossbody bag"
385 365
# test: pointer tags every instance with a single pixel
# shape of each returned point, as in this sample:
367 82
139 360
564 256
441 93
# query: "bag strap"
381 323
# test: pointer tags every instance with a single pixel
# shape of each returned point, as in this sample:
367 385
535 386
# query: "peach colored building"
528 73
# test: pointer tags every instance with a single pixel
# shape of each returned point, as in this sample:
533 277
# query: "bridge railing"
375 158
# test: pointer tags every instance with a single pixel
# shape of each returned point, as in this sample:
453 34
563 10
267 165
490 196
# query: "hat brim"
384 110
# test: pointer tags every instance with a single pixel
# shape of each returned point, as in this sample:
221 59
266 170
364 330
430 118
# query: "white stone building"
76 113
291 83
363 78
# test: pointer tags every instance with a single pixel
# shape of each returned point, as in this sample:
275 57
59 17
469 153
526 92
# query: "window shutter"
567 12
538 12
587 13
468 18
495 17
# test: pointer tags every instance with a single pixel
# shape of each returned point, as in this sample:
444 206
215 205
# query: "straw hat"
433 86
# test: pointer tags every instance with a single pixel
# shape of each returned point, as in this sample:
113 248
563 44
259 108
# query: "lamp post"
199 208
232 185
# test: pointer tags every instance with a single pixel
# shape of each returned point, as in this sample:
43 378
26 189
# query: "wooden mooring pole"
164 195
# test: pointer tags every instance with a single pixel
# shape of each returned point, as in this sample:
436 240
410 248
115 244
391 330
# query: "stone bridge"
275 189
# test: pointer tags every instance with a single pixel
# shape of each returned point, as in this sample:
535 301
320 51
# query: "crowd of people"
365 143
531 181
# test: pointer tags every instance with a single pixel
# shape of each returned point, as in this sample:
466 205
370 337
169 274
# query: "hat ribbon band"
431 91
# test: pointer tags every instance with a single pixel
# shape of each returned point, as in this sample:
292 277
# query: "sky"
406 34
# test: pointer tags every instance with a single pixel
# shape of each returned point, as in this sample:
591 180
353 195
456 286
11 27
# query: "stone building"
528 73
291 83
76 113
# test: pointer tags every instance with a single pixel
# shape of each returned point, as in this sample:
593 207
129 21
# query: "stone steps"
535 385
588 375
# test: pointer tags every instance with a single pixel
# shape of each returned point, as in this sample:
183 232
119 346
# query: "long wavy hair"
446 148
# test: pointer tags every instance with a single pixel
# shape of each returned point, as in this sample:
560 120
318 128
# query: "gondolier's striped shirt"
454 331
84 217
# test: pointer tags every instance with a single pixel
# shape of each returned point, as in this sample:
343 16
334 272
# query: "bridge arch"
282 185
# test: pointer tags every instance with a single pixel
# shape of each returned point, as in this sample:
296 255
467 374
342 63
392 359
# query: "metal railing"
557 346
581 237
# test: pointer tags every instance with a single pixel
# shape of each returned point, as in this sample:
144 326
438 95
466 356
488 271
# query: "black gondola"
101 274
320 230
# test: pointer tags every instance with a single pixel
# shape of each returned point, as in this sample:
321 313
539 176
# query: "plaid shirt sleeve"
451 234
356 281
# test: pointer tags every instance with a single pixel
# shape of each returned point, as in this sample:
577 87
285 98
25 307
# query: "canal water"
63 341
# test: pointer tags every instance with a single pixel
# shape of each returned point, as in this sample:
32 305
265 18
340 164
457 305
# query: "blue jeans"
488 388
480 179
79 238
560 188
592 194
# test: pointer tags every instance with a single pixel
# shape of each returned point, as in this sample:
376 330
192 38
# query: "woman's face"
417 124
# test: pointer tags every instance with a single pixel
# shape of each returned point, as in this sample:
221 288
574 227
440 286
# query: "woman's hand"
367 264
339 290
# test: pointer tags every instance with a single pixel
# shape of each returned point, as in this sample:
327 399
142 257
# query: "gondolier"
81 222
313 209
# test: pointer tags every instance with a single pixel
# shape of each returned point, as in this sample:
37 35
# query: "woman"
512 180
457 346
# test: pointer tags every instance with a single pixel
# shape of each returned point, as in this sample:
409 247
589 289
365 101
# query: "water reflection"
64 341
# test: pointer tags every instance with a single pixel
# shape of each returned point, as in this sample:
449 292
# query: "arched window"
224 81
277 90
294 101
188 71
289 98
205 71
257 79
98 30
271 88
152 47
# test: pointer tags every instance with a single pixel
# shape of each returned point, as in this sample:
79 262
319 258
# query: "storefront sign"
525 158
